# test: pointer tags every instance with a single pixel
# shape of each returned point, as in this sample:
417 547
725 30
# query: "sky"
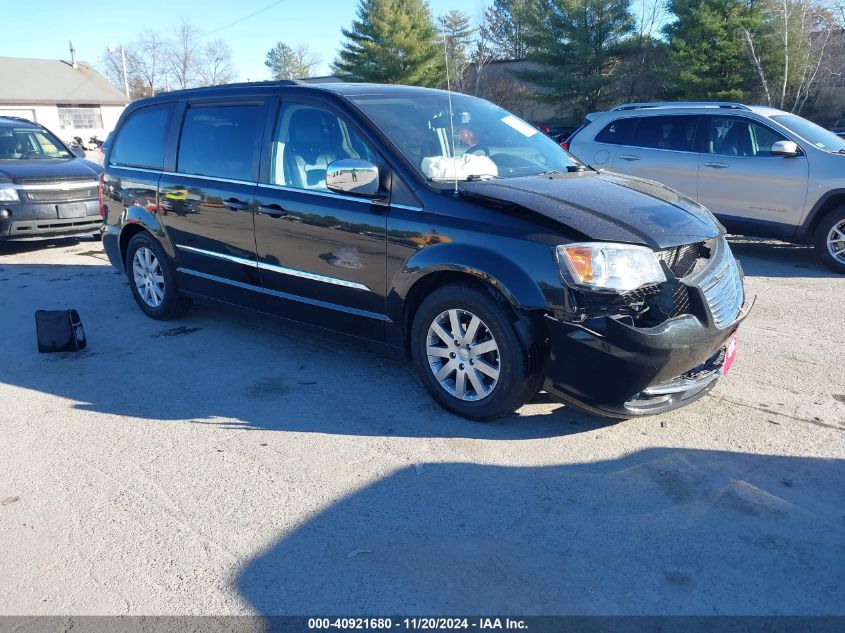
42 28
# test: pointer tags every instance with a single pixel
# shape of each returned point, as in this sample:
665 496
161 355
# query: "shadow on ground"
227 367
657 532
771 258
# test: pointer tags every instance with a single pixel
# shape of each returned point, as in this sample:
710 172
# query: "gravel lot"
233 463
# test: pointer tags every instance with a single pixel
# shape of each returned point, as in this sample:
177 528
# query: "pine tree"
456 32
507 24
708 55
578 44
286 62
392 41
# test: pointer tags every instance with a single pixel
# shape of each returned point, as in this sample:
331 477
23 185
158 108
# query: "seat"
737 141
314 141
8 147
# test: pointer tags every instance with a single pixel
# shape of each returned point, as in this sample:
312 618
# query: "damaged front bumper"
615 368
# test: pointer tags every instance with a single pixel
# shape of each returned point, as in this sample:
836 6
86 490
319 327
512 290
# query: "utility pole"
123 63
111 49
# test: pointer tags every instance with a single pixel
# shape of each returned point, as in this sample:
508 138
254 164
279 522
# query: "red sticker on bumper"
730 355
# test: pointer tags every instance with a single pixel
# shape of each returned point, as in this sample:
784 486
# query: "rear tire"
152 279
468 354
830 240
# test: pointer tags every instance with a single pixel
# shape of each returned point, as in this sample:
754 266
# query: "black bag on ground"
59 331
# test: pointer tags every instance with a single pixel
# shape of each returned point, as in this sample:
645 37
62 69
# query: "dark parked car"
453 230
46 189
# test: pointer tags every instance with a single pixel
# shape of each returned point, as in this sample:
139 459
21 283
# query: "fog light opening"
5 214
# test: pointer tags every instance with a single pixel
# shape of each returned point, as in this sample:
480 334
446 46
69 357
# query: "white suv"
760 170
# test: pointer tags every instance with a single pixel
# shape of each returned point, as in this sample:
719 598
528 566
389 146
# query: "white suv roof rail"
681 104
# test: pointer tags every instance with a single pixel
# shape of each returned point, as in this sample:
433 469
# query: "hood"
607 207
47 168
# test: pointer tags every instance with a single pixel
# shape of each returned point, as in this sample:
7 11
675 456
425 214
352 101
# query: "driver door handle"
716 165
629 157
233 204
273 210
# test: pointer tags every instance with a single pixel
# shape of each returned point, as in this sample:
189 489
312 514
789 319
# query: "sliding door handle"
717 165
273 210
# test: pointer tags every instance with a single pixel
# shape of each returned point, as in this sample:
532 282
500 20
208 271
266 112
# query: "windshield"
812 133
488 142
28 143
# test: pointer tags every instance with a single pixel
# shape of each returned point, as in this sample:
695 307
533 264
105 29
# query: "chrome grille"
61 195
723 289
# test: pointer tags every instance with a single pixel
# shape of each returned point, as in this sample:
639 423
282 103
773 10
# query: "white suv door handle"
629 157
717 165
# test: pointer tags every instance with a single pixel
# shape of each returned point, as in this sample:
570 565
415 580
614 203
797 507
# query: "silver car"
761 171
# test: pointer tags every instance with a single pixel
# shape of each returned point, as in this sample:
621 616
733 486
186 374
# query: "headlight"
607 266
8 195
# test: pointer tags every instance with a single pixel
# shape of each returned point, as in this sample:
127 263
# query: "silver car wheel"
149 279
836 242
463 355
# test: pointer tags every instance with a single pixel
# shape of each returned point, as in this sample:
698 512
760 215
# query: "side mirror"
77 151
787 149
354 177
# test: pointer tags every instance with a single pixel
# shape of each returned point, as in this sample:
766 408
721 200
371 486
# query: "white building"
68 99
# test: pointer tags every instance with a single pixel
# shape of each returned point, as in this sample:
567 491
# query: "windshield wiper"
469 178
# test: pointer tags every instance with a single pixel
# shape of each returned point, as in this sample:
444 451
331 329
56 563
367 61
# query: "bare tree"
481 53
651 15
214 64
147 61
804 32
183 55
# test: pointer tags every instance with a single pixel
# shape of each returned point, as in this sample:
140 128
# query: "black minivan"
430 221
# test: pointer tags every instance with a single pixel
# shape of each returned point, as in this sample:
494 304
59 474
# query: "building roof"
53 81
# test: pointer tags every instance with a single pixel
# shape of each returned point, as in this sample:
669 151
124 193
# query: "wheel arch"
506 282
829 202
138 220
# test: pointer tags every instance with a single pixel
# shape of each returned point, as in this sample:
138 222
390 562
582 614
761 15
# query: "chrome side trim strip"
277 269
406 207
141 169
178 174
284 295
325 194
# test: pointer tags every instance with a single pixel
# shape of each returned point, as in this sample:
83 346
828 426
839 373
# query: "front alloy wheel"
836 242
468 354
152 278
463 355
830 240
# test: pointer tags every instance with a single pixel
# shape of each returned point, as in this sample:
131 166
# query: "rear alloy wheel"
468 354
153 279
830 240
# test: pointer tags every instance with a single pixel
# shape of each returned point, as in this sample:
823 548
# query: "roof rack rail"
16 118
681 104
240 84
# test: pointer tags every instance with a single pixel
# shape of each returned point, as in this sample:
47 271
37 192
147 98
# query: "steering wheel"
479 148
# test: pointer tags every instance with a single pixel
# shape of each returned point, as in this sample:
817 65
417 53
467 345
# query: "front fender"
501 272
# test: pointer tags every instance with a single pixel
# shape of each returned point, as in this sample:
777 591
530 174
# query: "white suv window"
734 136
675 133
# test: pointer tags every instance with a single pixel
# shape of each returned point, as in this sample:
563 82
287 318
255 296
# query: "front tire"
468 355
830 240
152 279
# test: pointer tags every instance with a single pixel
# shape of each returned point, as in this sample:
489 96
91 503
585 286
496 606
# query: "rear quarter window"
618 132
142 138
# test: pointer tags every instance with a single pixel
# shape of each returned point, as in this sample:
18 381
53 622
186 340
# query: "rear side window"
142 138
619 132
220 141
667 132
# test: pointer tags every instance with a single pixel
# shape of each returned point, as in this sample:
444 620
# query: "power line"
243 19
